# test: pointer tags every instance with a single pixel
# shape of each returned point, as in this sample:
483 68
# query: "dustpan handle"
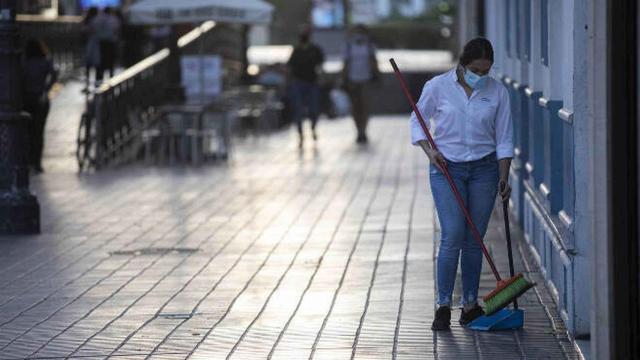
507 230
474 230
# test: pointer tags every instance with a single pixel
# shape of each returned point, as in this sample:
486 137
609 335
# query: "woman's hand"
435 157
504 190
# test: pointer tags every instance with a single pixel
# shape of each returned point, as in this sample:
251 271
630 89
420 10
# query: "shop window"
507 21
518 29
526 13
544 32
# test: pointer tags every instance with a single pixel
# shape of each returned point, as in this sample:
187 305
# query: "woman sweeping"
473 131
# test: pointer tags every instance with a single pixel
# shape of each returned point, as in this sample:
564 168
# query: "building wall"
540 55
468 16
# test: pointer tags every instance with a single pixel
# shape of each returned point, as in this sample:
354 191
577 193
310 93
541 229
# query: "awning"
163 12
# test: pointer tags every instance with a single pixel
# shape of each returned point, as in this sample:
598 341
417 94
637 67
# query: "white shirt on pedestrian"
358 54
106 27
465 128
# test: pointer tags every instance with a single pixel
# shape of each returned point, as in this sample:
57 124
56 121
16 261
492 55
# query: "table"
184 122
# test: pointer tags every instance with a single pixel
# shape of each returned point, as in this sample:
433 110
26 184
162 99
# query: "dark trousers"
107 59
37 105
359 107
305 94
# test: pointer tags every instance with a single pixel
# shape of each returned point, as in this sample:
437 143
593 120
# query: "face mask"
474 80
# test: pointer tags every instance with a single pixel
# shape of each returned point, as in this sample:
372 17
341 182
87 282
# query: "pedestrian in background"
360 69
304 64
39 76
107 28
473 131
92 49
122 27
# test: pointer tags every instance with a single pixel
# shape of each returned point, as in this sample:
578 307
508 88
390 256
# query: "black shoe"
469 316
362 139
442 319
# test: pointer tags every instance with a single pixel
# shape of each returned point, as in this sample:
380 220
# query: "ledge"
566 115
566 220
544 190
528 167
532 93
565 250
528 91
543 101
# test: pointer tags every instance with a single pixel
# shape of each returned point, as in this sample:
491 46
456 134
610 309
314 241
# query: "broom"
507 290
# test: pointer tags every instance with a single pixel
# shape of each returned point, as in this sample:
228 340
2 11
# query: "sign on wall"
201 76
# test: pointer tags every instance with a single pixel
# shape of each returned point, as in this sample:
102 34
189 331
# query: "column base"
19 214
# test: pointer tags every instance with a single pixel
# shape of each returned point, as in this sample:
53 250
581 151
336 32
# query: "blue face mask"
474 80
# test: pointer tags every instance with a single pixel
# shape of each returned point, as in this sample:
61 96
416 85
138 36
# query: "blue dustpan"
505 319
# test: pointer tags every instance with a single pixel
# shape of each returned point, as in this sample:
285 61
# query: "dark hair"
91 13
35 48
478 48
107 10
304 34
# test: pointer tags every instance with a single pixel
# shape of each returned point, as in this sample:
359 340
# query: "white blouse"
466 128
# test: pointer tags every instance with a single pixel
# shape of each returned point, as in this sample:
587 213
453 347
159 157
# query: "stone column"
19 209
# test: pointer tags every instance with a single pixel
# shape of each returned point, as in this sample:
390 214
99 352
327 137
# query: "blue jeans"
305 94
477 182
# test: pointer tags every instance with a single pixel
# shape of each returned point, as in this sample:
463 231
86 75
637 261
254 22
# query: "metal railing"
110 128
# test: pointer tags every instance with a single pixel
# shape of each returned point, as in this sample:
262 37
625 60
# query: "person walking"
360 69
473 131
304 64
92 49
39 76
107 27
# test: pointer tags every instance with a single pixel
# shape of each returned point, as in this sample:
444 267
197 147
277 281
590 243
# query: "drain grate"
154 251
175 316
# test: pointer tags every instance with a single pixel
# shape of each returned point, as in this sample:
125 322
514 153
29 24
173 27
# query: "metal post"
245 58
346 6
19 209
99 139
173 86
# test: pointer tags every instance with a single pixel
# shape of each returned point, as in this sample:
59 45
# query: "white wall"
564 79
554 83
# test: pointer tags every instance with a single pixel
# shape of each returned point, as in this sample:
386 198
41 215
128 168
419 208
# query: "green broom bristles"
506 293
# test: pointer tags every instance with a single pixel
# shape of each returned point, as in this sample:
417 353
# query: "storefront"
571 68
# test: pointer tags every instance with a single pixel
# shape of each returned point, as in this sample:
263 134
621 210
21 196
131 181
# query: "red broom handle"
474 230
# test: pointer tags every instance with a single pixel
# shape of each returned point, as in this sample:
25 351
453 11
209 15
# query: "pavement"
325 252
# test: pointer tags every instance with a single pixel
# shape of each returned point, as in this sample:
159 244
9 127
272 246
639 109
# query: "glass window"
507 21
544 32
526 7
518 29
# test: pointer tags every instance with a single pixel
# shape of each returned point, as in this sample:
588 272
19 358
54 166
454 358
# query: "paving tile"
327 252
